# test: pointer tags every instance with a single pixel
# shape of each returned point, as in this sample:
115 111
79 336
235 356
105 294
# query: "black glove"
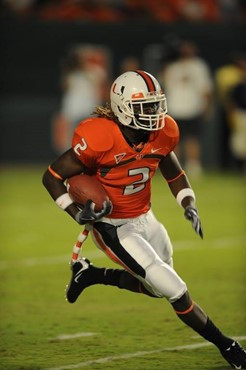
89 215
191 214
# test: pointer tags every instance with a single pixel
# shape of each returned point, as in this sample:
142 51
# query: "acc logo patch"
119 157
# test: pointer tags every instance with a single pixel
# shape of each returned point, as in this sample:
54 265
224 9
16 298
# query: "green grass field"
128 331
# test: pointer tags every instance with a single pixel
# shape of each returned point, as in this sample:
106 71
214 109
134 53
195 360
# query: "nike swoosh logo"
155 150
79 273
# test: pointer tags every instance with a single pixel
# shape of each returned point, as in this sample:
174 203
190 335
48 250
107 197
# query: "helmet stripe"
148 80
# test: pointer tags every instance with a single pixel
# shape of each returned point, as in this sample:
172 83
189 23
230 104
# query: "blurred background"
59 58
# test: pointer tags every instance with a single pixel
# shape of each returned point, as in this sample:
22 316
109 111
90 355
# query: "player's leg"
85 274
126 246
189 312
160 241
121 277
192 315
114 241
157 236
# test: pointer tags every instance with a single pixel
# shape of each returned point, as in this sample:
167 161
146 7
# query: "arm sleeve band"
187 192
175 178
55 174
64 201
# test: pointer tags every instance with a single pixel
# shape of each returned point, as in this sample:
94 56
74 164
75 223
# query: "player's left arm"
180 187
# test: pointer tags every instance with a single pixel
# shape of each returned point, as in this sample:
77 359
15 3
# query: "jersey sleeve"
90 140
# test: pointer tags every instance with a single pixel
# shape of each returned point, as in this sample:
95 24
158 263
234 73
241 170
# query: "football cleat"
235 355
82 277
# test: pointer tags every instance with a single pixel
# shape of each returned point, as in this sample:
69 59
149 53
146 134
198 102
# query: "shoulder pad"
97 132
171 128
168 136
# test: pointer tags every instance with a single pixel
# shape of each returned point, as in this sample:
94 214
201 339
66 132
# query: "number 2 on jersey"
138 185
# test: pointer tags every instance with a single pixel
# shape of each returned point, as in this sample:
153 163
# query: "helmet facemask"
148 114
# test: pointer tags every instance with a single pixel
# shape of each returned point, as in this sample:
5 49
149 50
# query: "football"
84 187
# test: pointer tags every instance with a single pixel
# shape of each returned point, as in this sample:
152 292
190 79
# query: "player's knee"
183 303
170 262
164 281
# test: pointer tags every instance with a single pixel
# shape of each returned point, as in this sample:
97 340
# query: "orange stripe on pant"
186 311
108 251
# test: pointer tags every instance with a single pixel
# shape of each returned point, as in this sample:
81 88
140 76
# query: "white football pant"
146 241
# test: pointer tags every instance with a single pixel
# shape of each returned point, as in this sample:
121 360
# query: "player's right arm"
67 165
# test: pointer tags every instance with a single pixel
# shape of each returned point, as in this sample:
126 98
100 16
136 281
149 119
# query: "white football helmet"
138 101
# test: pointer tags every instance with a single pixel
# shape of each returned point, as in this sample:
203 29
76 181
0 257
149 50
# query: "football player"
123 146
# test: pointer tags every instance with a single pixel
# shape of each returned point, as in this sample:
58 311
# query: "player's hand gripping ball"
90 195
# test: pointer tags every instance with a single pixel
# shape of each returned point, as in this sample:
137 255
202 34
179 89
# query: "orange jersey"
124 173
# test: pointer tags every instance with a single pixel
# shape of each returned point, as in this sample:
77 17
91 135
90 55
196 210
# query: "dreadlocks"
105 111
